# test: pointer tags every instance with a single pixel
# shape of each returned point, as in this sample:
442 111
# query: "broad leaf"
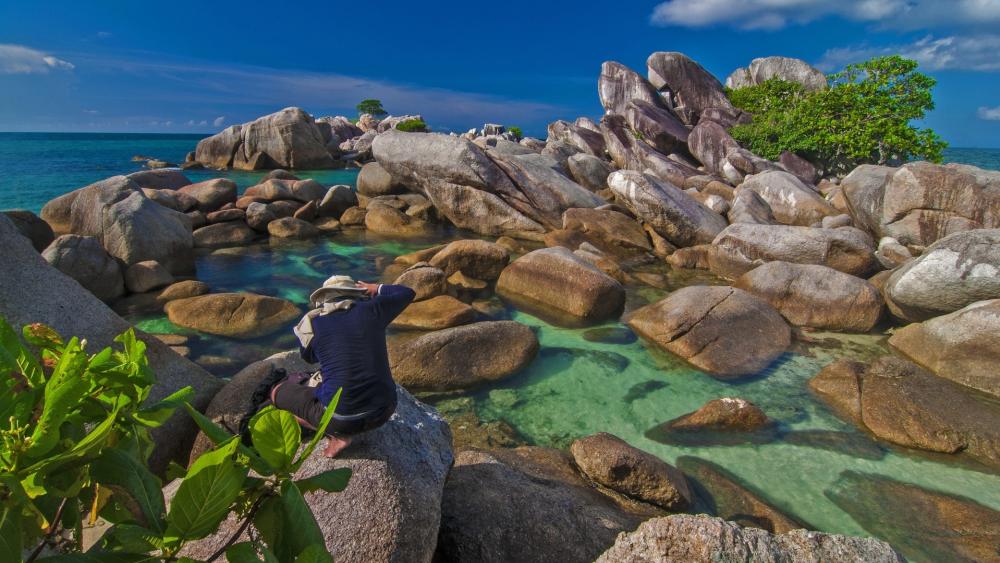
300 529
63 391
15 352
133 485
276 437
206 495
89 445
314 554
130 537
246 552
219 435
320 432
10 534
100 557
333 481
156 414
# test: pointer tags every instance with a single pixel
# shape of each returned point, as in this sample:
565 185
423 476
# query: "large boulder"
374 181
710 143
630 153
743 246
425 280
619 85
815 296
286 139
34 292
557 283
904 404
955 271
32 226
589 171
613 463
462 357
131 227
236 315
675 215
546 192
292 228
211 194
684 538
923 524
232 233
58 211
160 179
608 229
458 178
436 313
526 504
723 331
276 189
586 140
692 88
657 126
791 201
783 68
86 261
864 192
963 346
924 202
475 258
147 276
338 199
391 508
749 207
171 199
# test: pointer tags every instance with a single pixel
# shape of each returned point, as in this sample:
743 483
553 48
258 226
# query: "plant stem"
243 527
52 530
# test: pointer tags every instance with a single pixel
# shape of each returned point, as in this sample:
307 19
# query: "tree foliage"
515 131
372 106
75 444
412 126
864 117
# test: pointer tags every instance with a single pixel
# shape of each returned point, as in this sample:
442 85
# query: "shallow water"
574 388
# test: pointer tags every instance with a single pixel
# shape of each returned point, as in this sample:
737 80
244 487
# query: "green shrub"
76 442
412 126
516 131
372 106
864 117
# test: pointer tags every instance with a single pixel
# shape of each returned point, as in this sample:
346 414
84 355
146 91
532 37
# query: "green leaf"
130 537
300 527
10 534
93 442
14 353
333 481
314 554
133 485
156 414
219 435
320 432
100 557
246 552
206 495
63 391
276 437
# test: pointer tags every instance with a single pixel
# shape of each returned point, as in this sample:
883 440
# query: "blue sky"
200 66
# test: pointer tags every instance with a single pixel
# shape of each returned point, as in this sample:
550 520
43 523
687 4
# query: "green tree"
516 131
865 117
412 126
75 444
373 107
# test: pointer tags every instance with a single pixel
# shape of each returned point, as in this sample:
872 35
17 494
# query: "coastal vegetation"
412 126
865 116
75 450
371 106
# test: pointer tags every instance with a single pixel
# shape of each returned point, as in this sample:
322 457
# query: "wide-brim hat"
336 287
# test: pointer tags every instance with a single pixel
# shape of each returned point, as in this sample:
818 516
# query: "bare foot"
335 445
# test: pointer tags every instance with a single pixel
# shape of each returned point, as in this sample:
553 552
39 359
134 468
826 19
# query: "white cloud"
104 34
218 121
967 52
989 114
776 14
18 59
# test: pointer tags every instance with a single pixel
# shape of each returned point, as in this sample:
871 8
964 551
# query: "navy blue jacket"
350 348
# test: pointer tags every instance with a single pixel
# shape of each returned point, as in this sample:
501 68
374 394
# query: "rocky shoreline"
563 228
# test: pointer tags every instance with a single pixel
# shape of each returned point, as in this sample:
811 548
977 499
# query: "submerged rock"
723 331
684 538
557 281
463 356
236 315
391 508
613 463
727 421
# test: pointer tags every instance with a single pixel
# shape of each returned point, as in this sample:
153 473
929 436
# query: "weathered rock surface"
791 201
436 313
545 192
864 191
58 212
784 68
526 504
723 331
684 538
658 126
619 85
275 189
748 207
555 281
906 405
33 291
743 246
586 140
955 271
463 356
391 508
425 280
609 230
32 226
286 139
338 199
171 199
236 315
963 346
292 228
160 179
374 181
464 184
146 276
613 463
86 261
691 88
183 290
815 296
589 171
211 194
232 233
475 258
675 215
727 415
710 143
923 524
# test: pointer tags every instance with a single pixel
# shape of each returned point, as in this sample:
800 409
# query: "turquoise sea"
576 386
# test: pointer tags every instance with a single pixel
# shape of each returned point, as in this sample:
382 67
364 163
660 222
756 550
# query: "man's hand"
371 288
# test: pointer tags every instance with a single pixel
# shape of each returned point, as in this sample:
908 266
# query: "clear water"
574 388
